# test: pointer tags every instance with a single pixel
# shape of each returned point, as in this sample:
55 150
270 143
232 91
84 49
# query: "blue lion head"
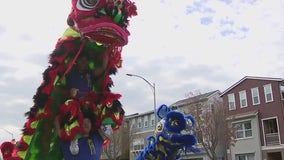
175 132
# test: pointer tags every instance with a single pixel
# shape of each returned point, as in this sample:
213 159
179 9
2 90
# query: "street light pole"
153 88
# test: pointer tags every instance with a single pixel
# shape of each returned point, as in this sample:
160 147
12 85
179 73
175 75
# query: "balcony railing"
272 139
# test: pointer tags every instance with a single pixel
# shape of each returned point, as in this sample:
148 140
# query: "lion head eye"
160 127
174 122
86 5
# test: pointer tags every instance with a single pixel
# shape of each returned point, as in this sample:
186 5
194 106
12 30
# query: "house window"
139 122
268 93
133 123
146 121
243 99
138 144
243 130
248 156
152 120
232 104
255 96
282 91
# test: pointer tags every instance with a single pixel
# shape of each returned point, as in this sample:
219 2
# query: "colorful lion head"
103 21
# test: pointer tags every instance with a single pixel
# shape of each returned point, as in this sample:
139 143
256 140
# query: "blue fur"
176 116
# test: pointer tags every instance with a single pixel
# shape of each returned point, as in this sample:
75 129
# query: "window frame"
243 96
282 91
267 92
231 96
146 124
133 123
243 129
152 119
255 96
140 124
138 144
237 156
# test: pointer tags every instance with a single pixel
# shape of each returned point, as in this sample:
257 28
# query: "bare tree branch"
212 127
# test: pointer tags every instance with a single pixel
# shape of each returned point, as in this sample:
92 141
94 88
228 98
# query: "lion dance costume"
97 28
7 149
175 132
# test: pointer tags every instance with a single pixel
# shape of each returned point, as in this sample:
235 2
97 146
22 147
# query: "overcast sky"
180 45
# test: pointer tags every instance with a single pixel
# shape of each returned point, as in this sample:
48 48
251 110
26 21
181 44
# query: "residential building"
195 105
141 126
256 111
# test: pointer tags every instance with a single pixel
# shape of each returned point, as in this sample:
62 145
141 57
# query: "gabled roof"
195 98
253 78
131 116
139 114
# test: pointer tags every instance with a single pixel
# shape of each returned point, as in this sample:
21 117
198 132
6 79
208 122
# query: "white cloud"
22 70
17 102
32 27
